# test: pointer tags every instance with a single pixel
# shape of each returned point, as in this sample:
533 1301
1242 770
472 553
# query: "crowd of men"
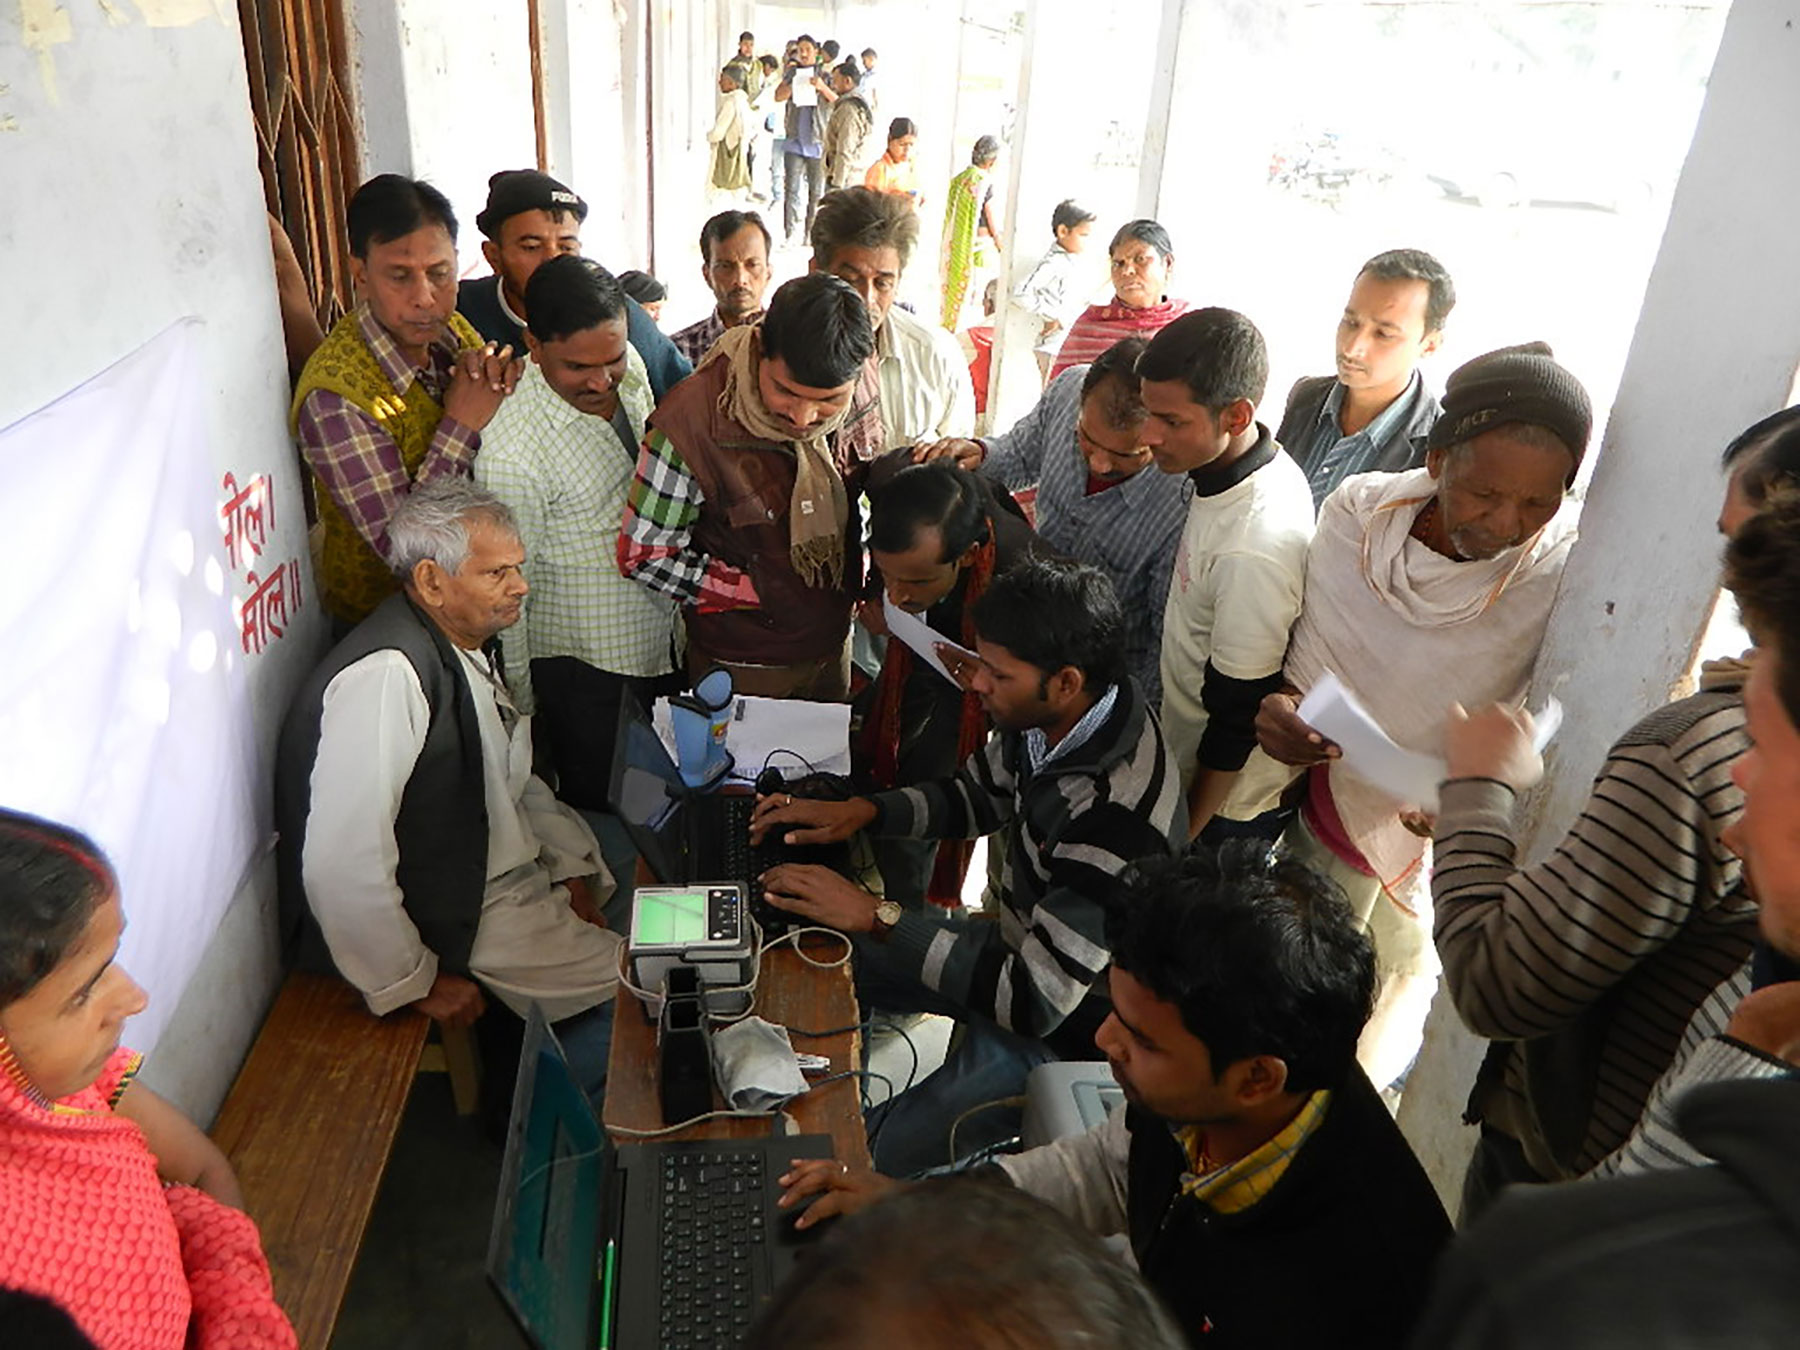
535 506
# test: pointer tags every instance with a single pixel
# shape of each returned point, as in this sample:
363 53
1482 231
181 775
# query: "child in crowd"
1054 290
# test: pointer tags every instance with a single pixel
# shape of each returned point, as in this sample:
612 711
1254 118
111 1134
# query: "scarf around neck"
819 511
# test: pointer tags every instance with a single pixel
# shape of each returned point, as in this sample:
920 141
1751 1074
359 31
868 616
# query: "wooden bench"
308 1127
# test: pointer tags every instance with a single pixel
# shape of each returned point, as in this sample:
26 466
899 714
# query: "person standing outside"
971 235
896 170
805 147
730 136
847 136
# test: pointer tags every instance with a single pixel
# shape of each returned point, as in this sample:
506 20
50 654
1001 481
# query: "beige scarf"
819 511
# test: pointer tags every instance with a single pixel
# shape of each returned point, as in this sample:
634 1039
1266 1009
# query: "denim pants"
803 175
911 1132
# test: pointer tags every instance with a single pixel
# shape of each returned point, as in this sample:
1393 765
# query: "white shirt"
529 947
1234 593
925 390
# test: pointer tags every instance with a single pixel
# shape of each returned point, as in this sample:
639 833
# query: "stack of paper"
1332 710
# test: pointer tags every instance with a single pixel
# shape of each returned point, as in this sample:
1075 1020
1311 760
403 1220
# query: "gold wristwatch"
887 914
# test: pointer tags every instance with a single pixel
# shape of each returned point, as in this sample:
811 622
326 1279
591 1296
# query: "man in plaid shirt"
399 391
561 453
734 262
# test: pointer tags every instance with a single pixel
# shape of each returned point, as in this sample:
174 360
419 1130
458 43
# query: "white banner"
123 652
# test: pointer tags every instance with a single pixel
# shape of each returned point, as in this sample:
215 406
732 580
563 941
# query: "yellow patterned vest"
353 578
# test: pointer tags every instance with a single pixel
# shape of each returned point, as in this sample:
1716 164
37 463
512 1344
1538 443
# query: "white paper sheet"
819 733
921 637
1332 710
805 96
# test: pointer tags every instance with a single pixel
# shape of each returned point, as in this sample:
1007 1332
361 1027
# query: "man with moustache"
561 454
742 509
399 391
734 263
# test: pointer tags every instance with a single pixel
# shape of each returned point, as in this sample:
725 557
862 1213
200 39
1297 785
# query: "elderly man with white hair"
419 856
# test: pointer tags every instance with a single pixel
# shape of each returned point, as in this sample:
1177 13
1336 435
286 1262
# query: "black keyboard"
712 1237
740 861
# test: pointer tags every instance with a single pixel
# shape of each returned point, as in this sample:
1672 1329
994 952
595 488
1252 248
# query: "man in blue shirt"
1376 412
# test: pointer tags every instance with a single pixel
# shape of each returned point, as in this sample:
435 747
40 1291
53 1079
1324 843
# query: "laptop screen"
647 791
545 1244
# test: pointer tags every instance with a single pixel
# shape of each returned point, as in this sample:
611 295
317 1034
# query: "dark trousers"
577 722
800 170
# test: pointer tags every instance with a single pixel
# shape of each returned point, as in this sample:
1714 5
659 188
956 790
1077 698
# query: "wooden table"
790 993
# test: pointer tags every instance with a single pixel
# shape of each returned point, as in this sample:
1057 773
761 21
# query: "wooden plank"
789 992
308 1127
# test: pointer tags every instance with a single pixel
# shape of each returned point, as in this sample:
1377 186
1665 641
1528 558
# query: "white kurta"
530 947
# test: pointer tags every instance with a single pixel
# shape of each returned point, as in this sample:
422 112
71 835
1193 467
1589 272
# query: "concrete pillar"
1714 350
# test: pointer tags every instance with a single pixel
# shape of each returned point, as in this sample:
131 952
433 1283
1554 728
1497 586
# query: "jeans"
812 173
911 1132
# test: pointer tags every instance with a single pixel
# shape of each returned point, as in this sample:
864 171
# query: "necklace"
1422 523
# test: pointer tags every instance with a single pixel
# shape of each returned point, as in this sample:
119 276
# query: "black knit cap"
513 191
1515 384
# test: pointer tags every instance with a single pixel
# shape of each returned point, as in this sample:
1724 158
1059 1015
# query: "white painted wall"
457 108
1714 351
131 199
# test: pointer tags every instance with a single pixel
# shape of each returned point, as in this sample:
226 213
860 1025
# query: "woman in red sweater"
112 1203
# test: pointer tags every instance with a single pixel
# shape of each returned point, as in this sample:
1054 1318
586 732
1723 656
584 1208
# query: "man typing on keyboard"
1077 784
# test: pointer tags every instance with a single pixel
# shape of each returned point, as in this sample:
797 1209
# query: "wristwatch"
887 914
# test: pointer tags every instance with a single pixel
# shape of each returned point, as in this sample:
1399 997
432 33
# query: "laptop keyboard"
713 1207
741 861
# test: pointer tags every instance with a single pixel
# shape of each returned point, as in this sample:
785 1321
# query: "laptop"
659 1244
688 836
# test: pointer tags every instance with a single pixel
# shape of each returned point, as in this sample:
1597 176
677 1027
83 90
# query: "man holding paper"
1076 786
1423 589
938 538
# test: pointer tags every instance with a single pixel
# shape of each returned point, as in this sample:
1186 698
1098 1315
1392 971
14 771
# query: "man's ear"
1434 460
491 251
359 274
1257 1080
1430 343
535 347
427 582
1066 684
1237 417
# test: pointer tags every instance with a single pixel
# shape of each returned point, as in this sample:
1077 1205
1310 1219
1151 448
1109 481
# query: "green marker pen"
608 1269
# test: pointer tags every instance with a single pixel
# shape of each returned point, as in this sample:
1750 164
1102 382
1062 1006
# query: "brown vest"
747 485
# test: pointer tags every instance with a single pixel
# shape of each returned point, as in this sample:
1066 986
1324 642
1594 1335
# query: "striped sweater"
1070 830
1585 968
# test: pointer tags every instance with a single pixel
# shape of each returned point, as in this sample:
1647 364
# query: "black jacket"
1338 1253
1697 1257
442 825
1404 449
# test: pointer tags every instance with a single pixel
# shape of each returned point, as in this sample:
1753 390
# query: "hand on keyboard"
820 895
819 822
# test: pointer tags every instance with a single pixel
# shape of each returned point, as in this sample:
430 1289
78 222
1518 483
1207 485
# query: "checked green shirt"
565 474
